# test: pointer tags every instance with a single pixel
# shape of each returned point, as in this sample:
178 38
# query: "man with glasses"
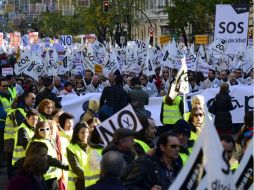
158 171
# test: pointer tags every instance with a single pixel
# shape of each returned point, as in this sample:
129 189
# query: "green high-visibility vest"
11 124
6 104
145 146
52 172
13 92
19 151
171 113
82 158
92 168
184 157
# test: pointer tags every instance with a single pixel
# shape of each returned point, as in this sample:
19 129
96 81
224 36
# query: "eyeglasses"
44 129
198 114
174 146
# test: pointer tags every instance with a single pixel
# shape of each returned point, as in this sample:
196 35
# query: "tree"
197 13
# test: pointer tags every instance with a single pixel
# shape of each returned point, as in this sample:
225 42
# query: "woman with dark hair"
222 108
76 155
45 108
34 166
33 89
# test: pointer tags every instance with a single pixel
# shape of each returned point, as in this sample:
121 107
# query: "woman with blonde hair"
196 121
197 100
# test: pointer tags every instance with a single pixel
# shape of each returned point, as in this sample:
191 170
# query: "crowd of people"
43 149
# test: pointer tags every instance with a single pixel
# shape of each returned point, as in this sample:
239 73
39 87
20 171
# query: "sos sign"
231 27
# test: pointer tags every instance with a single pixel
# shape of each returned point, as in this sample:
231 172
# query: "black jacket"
47 94
149 171
129 158
223 105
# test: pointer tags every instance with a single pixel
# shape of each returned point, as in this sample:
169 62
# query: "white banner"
125 118
242 102
231 23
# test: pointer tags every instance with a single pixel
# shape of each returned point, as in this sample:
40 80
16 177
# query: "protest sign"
65 40
231 24
125 118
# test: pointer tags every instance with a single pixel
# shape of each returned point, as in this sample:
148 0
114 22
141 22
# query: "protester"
68 89
144 141
224 76
42 134
183 131
197 100
88 77
23 134
196 121
30 177
223 106
139 98
250 79
94 154
171 111
123 142
76 154
211 81
113 99
47 94
112 164
14 88
80 88
228 144
45 108
26 103
159 170
128 86
6 140
147 86
232 79
95 85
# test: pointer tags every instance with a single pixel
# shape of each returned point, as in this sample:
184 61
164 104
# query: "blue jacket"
3 116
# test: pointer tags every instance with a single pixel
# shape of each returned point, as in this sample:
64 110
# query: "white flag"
206 167
243 177
181 84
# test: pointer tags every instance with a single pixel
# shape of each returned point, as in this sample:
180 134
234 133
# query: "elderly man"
112 164
95 86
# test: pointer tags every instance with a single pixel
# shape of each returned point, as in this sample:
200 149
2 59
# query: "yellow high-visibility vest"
92 168
52 172
82 158
145 146
171 113
19 151
11 124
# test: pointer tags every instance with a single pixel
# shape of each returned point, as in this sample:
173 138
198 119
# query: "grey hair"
112 164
